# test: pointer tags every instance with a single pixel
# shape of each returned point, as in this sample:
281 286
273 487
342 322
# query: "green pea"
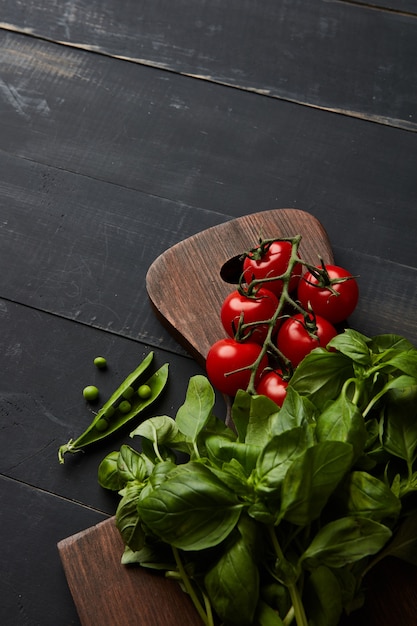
125 406
100 362
128 393
144 392
90 393
109 412
102 425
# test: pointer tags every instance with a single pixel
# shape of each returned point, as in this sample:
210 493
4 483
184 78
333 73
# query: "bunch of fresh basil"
278 520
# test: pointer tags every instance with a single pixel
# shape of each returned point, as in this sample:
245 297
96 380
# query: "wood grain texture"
306 51
207 146
184 283
107 593
96 276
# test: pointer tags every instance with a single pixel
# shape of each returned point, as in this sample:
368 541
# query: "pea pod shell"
156 382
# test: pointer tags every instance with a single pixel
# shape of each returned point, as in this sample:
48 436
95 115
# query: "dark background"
126 127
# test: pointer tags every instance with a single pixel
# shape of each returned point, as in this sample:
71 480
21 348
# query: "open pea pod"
122 406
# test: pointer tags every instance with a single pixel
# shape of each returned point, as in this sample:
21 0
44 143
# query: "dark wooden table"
126 127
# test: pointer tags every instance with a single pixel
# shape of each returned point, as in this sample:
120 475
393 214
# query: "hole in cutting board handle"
232 270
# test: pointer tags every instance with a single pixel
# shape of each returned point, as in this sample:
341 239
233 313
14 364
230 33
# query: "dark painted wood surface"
305 51
206 145
105 163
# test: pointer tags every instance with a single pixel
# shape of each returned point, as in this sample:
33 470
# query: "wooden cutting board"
107 593
186 290
185 285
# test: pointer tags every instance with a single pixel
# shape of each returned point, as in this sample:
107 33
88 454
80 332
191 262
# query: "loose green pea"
90 393
100 362
125 406
102 425
128 393
144 392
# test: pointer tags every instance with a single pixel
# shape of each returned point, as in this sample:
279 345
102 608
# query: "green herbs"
278 521
118 410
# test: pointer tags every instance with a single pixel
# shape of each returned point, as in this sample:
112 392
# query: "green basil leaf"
370 497
311 479
217 427
161 429
342 421
399 436
193 415
108 474
383 343
321 375
233 582
404 542
406 362
157 556
221 450
354 345
234 475
155 452
266 616
265 511
344 541
161 472
127 519
132 465
297 410
240 413
322 597
276 458
276 595
192 510
262 416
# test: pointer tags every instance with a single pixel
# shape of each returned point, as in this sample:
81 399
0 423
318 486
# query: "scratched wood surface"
100 584
305 51
207 146
128 127
88 277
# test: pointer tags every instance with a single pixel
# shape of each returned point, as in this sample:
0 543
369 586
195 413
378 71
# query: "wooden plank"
33 587
403 6
107 593
207 146
80 248
102 238
45 363
303 51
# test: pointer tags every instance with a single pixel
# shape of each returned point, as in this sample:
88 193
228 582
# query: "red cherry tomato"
227 355
312 291
273 262
295 342
273 385
257 309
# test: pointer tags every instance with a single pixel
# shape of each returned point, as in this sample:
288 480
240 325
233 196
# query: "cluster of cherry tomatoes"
282 309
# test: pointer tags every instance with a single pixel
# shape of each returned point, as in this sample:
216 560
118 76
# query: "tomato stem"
284 300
